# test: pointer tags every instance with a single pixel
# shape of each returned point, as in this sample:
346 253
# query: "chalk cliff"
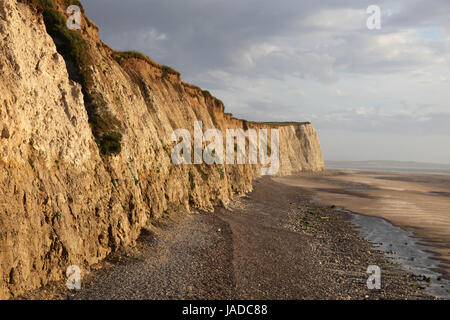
85 145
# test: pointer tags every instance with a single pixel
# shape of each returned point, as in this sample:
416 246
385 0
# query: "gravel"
274 243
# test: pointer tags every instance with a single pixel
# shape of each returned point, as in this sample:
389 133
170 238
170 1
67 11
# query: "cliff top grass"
208 94
74 2
280 124
135 55
71 44
74 48
166 70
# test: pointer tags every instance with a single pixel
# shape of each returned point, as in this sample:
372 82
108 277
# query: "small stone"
5 133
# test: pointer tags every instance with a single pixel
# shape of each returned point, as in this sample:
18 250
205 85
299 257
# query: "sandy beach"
415 202
274 243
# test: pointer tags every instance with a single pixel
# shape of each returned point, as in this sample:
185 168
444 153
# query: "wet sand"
418 203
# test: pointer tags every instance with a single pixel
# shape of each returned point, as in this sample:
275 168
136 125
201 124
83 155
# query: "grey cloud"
213 35
227 46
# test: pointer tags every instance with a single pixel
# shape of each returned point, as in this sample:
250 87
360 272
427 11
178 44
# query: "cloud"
300 60
375 120
264 38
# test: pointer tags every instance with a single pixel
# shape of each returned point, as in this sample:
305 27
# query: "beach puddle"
404 249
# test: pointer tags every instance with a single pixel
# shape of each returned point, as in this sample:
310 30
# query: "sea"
391 166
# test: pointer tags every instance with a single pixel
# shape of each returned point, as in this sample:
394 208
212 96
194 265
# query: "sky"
380 94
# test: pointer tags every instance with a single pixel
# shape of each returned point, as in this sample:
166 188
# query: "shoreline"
405 249
274 243
419 240
390 170
416 203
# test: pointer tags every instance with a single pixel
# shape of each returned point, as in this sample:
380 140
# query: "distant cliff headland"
85 142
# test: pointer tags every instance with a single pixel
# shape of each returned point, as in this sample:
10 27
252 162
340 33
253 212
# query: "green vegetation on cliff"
166 70
75 50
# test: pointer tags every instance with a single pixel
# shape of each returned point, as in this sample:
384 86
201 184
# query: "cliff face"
85 151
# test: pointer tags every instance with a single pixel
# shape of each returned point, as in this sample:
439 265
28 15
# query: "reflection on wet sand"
415 202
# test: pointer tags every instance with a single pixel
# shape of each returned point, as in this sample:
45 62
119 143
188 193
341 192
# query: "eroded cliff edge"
85 149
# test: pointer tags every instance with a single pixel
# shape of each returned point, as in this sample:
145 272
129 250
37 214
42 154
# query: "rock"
5 133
